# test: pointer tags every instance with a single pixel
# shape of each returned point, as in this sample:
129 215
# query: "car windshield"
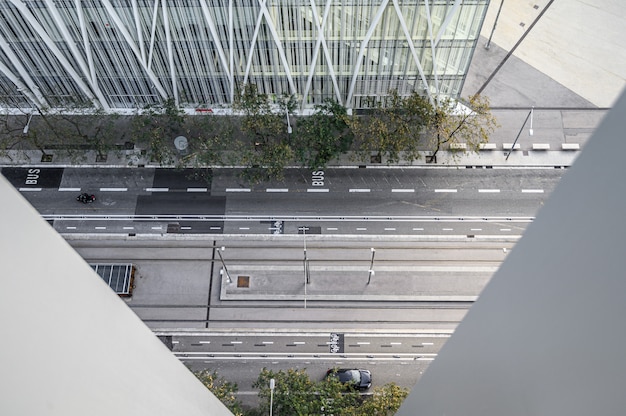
353 376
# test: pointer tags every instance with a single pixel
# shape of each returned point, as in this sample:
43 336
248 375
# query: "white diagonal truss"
128 54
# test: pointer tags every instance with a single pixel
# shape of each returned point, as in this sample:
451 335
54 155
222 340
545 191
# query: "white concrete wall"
69 345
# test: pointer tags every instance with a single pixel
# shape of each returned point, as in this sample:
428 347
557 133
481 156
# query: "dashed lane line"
113 189
157 189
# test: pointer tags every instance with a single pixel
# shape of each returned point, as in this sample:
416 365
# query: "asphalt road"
373 201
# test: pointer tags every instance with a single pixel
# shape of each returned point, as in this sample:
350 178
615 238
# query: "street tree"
156 127
322 136
224 390
266 151
471 123
384 401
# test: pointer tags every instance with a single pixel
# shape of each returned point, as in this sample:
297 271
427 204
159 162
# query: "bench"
541 146
509 146
488 146
570 146
458 146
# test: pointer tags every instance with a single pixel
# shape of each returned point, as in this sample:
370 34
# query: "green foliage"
296 394
385 401
222 389
394 131
156 127
323 136
449 125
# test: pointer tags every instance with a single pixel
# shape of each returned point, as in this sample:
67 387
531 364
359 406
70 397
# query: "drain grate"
243 281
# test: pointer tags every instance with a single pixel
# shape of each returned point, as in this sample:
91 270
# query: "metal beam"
170 52
28 86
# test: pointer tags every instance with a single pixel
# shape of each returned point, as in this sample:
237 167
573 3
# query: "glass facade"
125 54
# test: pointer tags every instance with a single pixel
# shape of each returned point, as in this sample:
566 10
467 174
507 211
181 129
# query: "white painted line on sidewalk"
100 228
237 189
113 189
157 228
489 191
69 189
445 190
197 190
532 191
359 190
317 190
70 228
30 189
402 190
157 189
277 190
128 228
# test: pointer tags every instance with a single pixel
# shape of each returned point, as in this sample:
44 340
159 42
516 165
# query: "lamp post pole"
371 271
272 385
530 132
219 252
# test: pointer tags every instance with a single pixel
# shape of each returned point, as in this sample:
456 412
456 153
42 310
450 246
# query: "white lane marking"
277 190
448 229
157 228
197 190
236 342
299 342
113 189
157 189
331 229
445 190
128 228
361 229
395 343
489 191
476 229
359 190
267 342
244 228
532 191
402 190
175 342
204 342
317 190
30 189
390 229
418 229
185 228
237 189
100 228
69 189
428 343
362 343
70 228
505 229
215 228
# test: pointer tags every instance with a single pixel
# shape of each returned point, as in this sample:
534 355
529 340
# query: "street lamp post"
371 271
530 131
272 385
219 253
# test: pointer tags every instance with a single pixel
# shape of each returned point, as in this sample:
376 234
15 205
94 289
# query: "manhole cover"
243 281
